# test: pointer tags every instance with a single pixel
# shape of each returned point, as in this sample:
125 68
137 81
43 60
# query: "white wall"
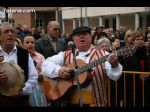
127 15
75 12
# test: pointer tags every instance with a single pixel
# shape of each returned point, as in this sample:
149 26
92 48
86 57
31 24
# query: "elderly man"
87 53
51 44
11 53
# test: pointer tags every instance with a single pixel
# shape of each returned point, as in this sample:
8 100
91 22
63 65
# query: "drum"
15 80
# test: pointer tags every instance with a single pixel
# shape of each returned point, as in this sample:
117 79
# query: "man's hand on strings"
65 72
113 59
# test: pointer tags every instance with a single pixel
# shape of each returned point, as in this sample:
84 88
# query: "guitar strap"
98 75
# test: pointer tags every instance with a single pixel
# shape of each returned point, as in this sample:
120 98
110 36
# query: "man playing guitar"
54 67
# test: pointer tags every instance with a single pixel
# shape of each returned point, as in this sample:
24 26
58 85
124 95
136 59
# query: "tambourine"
15 80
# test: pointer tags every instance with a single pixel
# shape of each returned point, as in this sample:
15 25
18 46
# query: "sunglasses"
9 30
57 29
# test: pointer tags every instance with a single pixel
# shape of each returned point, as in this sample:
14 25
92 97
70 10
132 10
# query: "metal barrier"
126 73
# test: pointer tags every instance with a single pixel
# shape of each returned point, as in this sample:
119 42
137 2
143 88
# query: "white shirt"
32 73
51 65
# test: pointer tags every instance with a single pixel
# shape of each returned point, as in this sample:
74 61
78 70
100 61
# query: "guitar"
58 88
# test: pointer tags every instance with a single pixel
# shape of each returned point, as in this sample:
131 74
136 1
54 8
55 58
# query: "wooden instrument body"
56 89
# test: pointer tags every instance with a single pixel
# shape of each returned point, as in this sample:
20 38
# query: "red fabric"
98 76
142 65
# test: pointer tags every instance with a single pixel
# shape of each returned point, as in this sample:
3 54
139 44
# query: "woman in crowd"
103 44
137 62
29 44
115 43
128 37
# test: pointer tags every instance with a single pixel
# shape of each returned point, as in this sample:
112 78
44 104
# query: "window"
9 20
3 20
147 20
39 23
140 22
114 23
106 23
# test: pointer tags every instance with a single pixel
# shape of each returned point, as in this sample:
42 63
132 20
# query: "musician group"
66 74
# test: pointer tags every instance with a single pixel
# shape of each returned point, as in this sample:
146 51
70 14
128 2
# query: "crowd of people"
47 53
139 61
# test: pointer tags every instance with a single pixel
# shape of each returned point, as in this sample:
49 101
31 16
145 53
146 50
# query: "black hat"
81 29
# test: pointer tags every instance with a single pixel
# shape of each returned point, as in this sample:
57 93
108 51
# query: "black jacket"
132 63
44 46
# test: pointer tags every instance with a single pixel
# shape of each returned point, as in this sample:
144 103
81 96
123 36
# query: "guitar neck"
92 64
124 51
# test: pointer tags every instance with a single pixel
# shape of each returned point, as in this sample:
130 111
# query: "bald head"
52 23
53 29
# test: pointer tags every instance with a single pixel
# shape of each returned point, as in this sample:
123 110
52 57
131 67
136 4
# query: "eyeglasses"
57 29
9 30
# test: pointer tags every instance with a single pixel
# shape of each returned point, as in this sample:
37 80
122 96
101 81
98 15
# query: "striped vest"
98 80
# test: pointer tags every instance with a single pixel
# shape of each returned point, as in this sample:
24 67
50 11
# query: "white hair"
103 40
4 24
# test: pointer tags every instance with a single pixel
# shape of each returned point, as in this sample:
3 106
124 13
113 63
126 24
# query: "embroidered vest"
98 80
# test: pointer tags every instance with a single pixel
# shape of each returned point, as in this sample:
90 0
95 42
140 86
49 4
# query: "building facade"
71 17
30 16
130 17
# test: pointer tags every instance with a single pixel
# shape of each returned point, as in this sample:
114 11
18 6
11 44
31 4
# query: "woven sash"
98 88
